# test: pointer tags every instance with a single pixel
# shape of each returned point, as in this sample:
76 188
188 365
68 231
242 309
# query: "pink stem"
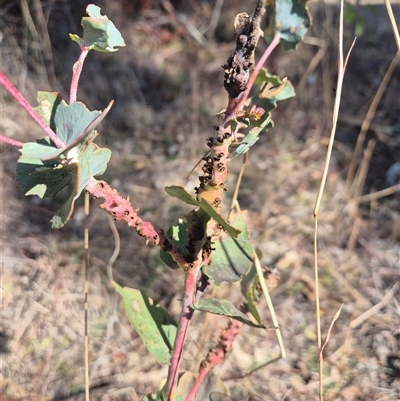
216 355
11 141
76 73
13 91
257 69
186 315
203 373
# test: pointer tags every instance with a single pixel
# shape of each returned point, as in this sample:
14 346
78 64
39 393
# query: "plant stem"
216 355
257 69
11 141
186 316
76 73
14 92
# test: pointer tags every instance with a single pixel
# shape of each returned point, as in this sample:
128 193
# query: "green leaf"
272 89
91 161
154 325
37 177
43 179
225 308
181 193
72 120
251 138
42 149
99 33
291 19
74 123
232 257
64 213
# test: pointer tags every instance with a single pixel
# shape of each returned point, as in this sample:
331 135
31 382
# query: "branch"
14 92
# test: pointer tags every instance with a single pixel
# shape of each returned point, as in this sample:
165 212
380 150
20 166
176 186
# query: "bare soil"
167 88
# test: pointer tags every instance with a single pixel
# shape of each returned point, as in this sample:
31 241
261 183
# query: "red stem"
11 141
14 92
257 69
76 73
186 315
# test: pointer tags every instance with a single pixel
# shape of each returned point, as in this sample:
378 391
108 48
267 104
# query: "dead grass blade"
341 68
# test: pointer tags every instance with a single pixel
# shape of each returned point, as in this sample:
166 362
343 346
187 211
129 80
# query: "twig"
366 124
341 67
214 18
376 308
328 335
360 180
263 365
117 248
393 23
377 195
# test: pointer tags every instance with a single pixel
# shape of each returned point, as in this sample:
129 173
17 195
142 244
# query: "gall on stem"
121 209
217 355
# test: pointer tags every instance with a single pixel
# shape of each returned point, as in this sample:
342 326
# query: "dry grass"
167 87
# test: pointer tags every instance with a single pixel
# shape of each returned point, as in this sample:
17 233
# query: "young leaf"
291 19
232 257
154 325
180 193
99 33
225 308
